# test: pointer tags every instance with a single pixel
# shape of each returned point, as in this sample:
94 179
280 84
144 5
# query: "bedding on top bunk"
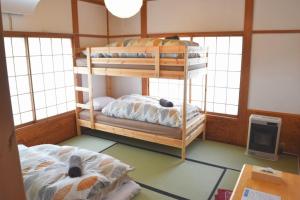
45 176
144 42
148 109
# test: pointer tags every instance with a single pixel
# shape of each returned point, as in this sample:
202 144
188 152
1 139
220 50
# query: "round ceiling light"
123 8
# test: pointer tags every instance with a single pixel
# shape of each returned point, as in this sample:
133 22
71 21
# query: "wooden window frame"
26 35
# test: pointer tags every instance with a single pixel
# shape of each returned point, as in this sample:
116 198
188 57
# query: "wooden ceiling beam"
99 2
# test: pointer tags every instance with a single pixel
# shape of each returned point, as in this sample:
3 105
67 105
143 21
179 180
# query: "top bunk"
146 58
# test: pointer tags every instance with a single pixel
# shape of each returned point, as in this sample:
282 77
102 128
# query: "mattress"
171 132
44 170
145 42
82 62
126 191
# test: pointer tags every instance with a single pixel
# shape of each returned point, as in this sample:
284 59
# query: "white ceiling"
18 6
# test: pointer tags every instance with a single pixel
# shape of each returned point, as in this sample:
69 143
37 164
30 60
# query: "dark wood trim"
50 35
245 72
52 130
75 24
36 34
144 25
275 31
145 86
228 116
42 120
91 35
107 26
185 34
98 2
124 36
198 34
144 31
272 113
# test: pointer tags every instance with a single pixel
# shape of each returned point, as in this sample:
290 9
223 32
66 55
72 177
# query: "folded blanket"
148 109
165 103
75 166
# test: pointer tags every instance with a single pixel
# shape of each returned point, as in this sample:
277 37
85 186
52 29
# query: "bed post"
183 147
205 97
90 85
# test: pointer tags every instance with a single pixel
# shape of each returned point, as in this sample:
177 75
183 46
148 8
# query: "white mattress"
126 191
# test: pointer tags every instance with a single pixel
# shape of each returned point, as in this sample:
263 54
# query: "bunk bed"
155 59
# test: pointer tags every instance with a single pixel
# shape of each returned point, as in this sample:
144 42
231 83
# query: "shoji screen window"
19 80
52 76
224 70
171 89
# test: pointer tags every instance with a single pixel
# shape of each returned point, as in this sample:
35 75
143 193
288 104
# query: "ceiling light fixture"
123 8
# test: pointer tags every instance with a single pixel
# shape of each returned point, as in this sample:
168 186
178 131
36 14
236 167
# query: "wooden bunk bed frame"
197 125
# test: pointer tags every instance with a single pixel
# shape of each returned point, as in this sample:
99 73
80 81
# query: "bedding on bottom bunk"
45 176
148 109
171 132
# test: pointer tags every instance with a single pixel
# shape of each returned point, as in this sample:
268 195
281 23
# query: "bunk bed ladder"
79 90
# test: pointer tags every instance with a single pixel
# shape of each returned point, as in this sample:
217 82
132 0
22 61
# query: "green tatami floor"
162 175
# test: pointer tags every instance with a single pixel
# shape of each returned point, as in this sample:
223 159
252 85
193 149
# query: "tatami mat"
234 156
210 165
185 179
229 179
88 142
225 155
146 194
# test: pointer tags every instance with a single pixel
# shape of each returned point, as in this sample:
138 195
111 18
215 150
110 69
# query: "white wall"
277 14
92 18
275 73
275 61
118 26
126 85
195 15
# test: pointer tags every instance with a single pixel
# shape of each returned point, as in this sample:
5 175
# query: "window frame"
26 36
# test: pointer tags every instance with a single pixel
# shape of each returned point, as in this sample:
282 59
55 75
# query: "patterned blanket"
148 109
45 173
145 42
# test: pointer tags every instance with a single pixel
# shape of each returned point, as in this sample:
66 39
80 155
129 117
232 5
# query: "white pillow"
101 102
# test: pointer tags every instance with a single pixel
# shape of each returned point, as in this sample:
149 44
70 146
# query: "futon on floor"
45 174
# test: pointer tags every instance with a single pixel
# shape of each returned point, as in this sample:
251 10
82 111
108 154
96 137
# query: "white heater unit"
18 7
263 136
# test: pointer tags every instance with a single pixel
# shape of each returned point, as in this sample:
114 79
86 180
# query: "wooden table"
289 189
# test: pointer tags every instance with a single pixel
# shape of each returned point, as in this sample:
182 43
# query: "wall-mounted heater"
263 136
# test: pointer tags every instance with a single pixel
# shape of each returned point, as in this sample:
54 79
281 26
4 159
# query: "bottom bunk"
156 129
170 136
145 118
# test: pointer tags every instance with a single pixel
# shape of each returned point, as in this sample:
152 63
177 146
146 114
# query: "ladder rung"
82 89
84 106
